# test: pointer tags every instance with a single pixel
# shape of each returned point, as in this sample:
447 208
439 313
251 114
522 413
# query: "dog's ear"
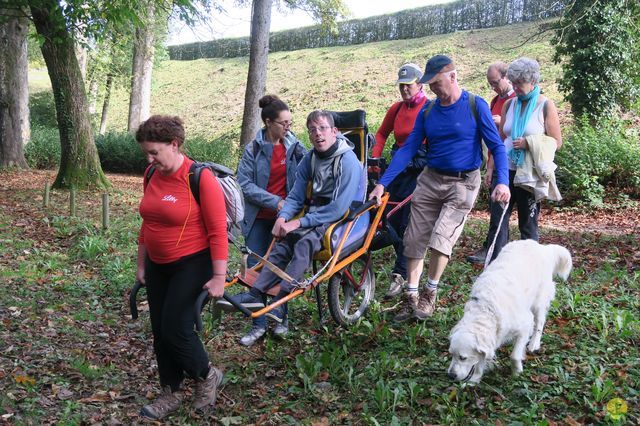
485 347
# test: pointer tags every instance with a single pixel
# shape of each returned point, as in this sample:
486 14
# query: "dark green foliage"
120 153
43 149
407 24
594 158
598 42
220 150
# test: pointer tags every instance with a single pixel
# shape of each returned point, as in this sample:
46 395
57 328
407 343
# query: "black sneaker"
479 256
246 299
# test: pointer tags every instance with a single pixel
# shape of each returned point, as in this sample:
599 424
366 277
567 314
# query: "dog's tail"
563 262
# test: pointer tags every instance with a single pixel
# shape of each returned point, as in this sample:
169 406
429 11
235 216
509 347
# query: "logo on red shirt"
170 198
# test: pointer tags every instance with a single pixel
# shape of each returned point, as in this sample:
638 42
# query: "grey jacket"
254 170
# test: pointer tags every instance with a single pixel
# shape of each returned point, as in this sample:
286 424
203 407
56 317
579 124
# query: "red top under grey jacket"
399 121
174 225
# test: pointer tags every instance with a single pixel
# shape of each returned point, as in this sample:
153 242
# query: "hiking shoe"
277 314
207 389
246 299
396 286
479 256
409 303
426 303
255 334
165 404
281 329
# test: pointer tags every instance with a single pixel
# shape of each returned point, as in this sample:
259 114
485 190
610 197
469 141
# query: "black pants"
172 290
528 211
399 189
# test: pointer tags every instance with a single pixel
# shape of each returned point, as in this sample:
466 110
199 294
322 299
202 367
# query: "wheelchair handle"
132 300
363 208
202 299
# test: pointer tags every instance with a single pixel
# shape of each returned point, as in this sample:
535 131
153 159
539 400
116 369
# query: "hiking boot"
426 304
246 299
479 256
255 334
396 286
409 303
207 389
282 329
165 404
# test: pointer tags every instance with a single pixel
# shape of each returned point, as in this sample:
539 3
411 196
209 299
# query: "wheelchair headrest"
350 119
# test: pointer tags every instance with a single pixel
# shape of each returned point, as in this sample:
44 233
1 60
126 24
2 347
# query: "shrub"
119 153
594 158
43 149
221 150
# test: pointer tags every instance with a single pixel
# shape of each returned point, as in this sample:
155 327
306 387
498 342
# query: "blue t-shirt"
453 140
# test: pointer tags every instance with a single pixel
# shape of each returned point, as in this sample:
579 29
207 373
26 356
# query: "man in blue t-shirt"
448 186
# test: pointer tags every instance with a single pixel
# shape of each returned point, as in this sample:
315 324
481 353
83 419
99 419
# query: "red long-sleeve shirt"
400 123
174 225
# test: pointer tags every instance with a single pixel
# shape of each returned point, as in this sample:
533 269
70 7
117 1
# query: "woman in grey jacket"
266 174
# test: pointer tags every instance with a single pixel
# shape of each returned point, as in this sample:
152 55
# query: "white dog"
509 302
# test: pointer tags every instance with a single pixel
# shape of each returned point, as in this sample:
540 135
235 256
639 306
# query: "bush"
221 150
597 157
43 149
120 153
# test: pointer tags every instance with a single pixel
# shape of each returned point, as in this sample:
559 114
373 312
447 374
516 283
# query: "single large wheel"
351 290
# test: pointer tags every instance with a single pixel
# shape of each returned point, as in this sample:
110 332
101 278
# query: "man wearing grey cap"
454 125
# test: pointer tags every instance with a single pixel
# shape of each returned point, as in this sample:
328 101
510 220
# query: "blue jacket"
341 185
254 172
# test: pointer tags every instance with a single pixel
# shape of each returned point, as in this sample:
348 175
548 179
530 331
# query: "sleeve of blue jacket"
348 181
406 152
252 192
489 133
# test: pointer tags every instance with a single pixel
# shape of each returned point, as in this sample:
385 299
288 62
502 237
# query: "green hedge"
120 153
594 159
406 24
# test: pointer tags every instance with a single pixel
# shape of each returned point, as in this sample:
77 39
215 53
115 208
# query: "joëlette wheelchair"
345 259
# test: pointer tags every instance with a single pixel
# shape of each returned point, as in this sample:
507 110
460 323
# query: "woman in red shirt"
182 249
399 120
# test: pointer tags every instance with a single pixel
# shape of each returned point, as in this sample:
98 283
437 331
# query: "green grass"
209 93
65 326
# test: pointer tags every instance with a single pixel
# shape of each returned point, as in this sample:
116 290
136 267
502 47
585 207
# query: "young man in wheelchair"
333 172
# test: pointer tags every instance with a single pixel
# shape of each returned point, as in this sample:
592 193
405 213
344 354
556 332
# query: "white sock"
412 288
432 284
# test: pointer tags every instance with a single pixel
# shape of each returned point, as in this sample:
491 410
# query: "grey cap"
409 73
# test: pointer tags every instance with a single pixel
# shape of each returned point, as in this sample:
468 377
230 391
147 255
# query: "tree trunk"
257 76
143 52
105 105
79 162
14 91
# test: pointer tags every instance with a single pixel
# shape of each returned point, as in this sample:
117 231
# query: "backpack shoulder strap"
472 105
147 176
194 180
428 109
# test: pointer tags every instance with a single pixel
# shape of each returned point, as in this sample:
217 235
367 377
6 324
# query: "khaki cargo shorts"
439 209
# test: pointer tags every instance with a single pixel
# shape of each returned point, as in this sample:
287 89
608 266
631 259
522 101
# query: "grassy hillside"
208 93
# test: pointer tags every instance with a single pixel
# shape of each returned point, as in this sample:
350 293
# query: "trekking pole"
105 210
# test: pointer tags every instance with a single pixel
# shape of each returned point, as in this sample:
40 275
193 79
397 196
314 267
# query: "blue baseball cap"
434 66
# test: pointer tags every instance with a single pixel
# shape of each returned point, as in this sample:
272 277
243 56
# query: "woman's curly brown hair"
161 128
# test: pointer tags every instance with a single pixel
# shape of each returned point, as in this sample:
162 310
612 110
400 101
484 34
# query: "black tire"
347 304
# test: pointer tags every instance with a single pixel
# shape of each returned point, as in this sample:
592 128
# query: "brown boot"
207 390
409 304
426 304
165 404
